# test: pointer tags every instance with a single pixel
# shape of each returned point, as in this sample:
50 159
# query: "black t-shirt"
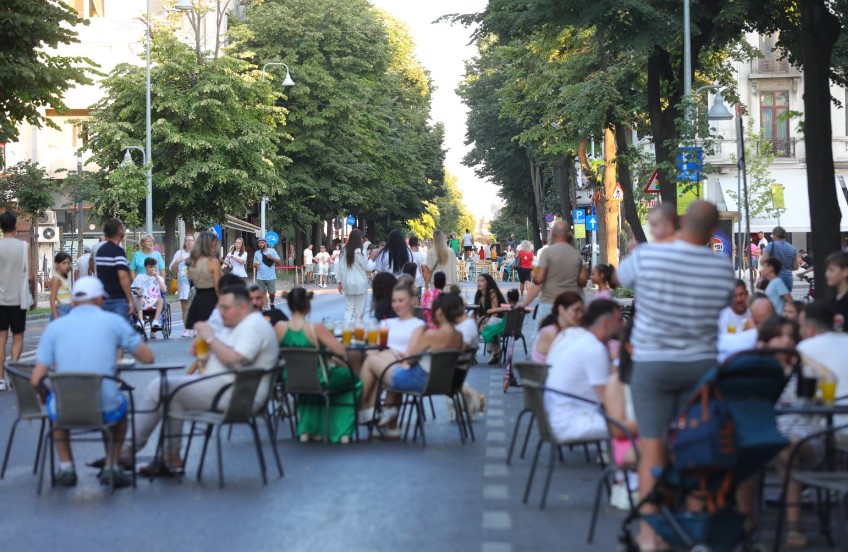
109 260
274 315
840 313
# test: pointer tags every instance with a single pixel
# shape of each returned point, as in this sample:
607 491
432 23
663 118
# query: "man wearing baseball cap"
264 262
59 350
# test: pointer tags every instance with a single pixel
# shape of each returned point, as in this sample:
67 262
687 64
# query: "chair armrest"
569 395
401 361
180 387
797 446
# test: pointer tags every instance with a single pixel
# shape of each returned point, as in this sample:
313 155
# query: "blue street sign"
351 220
272 238
593 211
579 216
592 223
218 232
690 163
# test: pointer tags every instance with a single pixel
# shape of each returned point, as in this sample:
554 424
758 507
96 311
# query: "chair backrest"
463 366
302 370
514 322
78 399
29 405
443 364
243 394
534 400
532 371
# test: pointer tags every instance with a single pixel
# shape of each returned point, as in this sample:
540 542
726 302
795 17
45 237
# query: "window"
88 8
773 121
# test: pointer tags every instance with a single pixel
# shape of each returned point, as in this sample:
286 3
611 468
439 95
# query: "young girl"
60 290
602 277
439 281
489 301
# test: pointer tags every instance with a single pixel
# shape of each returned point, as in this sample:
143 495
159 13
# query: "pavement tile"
497 520
495 412
495 470
495 492
496 436
495 452
496 547
495 422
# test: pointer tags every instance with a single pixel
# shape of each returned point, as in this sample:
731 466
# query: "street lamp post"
148 157
287 82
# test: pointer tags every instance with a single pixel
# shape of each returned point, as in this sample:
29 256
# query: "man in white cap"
59 350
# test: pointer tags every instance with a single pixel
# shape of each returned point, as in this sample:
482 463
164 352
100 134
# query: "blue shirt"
264 272
86 340
786 254
139 257
775 291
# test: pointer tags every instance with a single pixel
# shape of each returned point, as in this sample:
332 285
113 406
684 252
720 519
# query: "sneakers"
3 385
187 333
387 416
390 433
156 327
66 478
121 478
364 416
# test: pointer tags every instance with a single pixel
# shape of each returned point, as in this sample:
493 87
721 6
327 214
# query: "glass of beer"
828 390
359 331
373 334
384 334
347 333
731 328
202 348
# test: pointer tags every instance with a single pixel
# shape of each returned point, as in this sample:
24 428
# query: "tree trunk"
538 195
819 31
624 177
169 243
607 207
328 242
662 122
534 225
565 182
189 226
299 246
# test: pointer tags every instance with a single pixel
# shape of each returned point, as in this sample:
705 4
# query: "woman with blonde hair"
440 258
178 266
204 271
147 250
525 265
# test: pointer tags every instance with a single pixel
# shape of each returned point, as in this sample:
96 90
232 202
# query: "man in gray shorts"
265 260
682 287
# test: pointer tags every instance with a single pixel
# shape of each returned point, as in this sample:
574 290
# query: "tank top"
200 274
296 338
63 296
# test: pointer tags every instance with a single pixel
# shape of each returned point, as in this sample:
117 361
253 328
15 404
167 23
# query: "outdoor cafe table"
163 369
356 354
827 411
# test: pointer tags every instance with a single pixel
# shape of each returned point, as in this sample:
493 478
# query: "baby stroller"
146 317
725 433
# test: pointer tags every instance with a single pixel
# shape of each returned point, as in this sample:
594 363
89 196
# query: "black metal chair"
78 411
302 377
527 371
513 329
29 409
534 396
463 417
443 364
242 407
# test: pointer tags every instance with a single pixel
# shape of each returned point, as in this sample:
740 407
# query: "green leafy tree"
424 225
454 216
32 76
759 156
215 134
122 192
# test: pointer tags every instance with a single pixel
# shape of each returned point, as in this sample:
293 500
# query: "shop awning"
240 225
796 217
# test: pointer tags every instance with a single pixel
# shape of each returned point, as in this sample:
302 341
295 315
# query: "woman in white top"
352 267
440 258
178 266
236 258
404 331
396 254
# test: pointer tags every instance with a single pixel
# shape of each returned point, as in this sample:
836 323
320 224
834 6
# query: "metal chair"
527 371
241 408
534 394
303 368
443 364
29 408
835 485
78 409
513 329
463 417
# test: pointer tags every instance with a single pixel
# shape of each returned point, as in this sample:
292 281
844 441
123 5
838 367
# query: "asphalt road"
362 496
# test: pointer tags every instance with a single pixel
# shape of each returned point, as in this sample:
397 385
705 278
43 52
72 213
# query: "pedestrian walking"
308 276
419 257
353 270
236 259
82 266
204 271
178 266
682 286
439 259
113 270
560 269
394 255
322 259
18 290
525 266
147 251
265 264
454 244
785 252
468 244
60 290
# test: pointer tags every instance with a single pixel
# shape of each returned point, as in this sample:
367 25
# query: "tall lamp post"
148 157
287 82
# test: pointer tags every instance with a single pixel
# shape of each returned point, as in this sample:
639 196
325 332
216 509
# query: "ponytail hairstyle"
299 299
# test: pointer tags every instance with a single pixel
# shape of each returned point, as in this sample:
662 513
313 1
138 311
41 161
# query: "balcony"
781 147
769 67
723 150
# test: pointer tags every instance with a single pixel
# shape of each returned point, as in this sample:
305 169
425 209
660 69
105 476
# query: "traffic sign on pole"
272 238
592 223
351 220
579 216
653 186
617 194
690 163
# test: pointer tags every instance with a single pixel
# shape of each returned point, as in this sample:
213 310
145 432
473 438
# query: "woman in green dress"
299 332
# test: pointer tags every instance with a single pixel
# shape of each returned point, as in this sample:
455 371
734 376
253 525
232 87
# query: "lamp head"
719 111
288 82
184 5
128 160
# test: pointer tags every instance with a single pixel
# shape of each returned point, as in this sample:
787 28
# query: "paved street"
377 496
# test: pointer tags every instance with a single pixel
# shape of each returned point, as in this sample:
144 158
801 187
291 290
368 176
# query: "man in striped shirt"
785 252
681 287
112 268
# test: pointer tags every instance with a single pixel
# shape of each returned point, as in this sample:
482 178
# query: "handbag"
703 438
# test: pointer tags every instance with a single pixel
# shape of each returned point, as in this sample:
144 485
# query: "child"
836 274
439 281
60 291
602 277
776 290
153 289
792 309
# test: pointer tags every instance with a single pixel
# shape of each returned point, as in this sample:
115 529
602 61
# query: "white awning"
796 217
240 225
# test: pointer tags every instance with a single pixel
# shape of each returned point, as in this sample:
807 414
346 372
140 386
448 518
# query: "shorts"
524 274
62 310
118 306
267 286
307 268
323 270
183 289
660 389
620 447
468 248
109 416
12 317
413 378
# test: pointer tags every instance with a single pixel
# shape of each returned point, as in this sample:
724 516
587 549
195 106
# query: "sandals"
795 538
495 360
